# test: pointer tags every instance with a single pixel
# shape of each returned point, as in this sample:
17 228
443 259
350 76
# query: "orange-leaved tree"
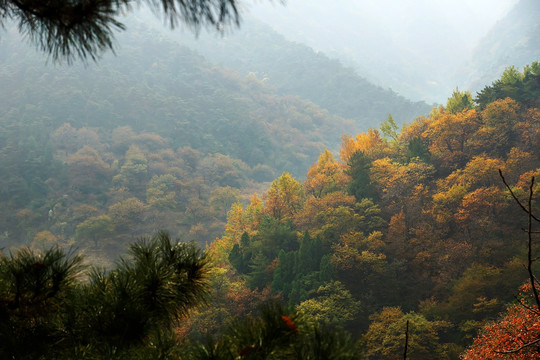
517 334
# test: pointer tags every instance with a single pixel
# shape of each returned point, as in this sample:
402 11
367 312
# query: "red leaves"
38 265
289 323
515 336
246 351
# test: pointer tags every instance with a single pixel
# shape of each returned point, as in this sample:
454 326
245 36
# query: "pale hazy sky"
472 18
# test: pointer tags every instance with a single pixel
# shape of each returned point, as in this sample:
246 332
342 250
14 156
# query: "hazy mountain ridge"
161 87
411 46
155 122
513 41
296 69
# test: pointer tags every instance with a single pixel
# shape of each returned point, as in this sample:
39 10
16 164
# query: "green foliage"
297 69
127 312
284 275
277 333
331 303
359 170
520 86
36 290
300 272
135 169
260 273
161 192
94 228
385 337
188 119
240 255
274 236
459 101
417 149
389 128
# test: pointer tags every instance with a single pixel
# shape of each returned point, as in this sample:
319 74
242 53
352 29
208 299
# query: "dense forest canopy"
296 69
420 209
157 123
415 240
413 225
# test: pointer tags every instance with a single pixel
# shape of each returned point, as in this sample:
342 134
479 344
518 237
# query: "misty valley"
258 195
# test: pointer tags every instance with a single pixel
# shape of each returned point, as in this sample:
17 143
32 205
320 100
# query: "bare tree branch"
519 348
406 341
529 255
515 197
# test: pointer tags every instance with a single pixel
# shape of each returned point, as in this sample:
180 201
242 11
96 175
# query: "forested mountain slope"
296 69
157 86
413 225
157 126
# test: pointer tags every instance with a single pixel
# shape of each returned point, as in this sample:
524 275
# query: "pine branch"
71 29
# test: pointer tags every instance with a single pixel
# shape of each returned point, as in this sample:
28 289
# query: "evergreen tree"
459 101
278 333
359 167
128 312
240 254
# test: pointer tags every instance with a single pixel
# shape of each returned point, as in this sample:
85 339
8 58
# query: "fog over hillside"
411 46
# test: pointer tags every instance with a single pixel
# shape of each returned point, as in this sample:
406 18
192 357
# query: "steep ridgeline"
296 69
512 41
154 137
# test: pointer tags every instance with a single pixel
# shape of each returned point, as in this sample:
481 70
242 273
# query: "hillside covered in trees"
296 69
155 137
410 225
168 148
404 225
345 246
512 41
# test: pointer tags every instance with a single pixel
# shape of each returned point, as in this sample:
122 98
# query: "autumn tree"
514 336
385 337
94 229
221 199
450 136
284 198
325 176
369 142
277 333
65 138
88 172
44 240
126 214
